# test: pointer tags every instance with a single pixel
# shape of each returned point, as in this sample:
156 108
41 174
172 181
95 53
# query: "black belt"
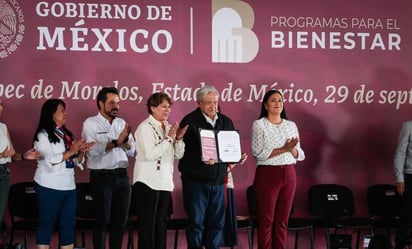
278 166
4 168
117 171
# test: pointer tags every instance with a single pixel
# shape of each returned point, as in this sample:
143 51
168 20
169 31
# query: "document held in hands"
221 145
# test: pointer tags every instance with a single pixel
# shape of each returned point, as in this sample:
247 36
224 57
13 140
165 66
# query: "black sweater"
191 166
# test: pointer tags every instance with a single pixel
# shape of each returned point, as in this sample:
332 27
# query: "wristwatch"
114 142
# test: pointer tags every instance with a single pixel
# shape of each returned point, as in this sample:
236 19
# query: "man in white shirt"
108 162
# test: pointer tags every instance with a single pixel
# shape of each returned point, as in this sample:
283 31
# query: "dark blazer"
191 166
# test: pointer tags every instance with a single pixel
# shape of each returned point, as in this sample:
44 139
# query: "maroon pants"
275 189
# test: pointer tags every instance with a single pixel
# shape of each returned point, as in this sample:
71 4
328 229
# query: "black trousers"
153 208
111 196
405 222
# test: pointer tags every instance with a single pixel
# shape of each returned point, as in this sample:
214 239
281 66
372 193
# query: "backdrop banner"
344 68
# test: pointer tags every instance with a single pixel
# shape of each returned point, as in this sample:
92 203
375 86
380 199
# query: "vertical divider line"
191 30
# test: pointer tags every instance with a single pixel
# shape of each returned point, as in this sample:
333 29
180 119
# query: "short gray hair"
205 90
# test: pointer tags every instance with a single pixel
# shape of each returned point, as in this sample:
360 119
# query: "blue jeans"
205 207
4 188
111 192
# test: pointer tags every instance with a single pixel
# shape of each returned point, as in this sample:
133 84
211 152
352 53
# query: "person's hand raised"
181 132
290 143
124 135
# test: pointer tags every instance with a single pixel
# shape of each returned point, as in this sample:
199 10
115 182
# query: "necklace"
275 123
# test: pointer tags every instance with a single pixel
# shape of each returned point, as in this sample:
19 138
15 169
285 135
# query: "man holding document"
204 168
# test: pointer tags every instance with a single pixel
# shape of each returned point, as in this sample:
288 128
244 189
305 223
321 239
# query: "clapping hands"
177 133
290 143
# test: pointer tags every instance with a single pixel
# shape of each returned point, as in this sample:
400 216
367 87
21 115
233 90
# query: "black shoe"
17 246
398 246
